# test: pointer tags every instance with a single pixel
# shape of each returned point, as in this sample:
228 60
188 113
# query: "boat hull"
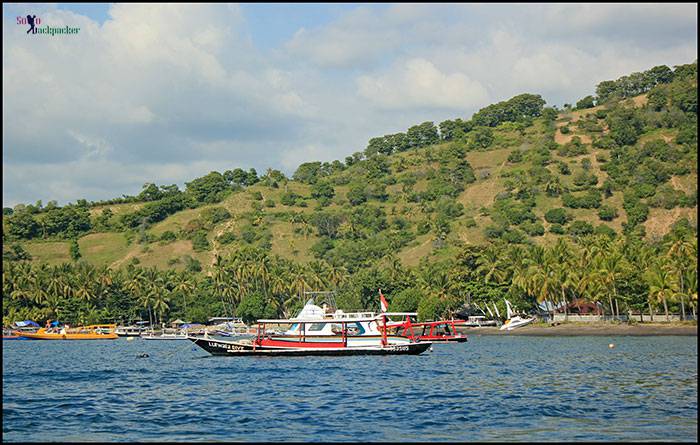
446 339
239 349
70 336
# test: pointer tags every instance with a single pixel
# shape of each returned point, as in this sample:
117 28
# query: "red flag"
384 305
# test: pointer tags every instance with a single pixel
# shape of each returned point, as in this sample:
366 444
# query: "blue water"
491 388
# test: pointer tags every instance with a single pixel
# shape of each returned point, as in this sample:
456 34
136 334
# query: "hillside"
559 153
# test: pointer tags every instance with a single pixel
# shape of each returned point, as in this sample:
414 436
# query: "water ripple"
490 389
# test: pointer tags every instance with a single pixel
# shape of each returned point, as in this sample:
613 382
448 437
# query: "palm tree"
610 269
183 285
660 285
490 265
679 258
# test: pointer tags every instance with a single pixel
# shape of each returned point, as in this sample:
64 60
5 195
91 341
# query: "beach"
592 329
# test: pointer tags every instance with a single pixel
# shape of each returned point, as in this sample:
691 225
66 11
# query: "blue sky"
166 93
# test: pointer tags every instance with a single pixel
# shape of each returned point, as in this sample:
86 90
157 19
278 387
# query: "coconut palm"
660 284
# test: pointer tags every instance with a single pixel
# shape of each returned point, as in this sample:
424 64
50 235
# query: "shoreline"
590 329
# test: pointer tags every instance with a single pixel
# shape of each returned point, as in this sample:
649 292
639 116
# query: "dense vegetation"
521 200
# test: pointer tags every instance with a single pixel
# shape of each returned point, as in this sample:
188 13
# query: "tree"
660 285
586 102
74 250
322 189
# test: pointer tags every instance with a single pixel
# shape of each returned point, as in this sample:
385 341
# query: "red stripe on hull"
301 344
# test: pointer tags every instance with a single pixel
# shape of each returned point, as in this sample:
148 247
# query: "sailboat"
514 321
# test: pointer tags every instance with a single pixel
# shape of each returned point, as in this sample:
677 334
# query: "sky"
166 93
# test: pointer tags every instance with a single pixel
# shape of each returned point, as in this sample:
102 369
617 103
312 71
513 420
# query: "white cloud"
417 83
167 93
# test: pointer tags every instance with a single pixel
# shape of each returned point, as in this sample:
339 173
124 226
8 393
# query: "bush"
557 216
605 230
589 200
533 229
227 238
269 203
168 236
423 227
580 228
200 242
557 228
515 156
289 198
215 215
607 213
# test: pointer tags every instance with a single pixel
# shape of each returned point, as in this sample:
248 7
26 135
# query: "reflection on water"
491 388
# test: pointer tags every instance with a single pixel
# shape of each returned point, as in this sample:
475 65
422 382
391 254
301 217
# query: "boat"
442 331
11 334
166 334
319 334
435 331
90 332
514 321
130 331
17 330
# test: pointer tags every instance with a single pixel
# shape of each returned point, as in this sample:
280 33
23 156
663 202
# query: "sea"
492 388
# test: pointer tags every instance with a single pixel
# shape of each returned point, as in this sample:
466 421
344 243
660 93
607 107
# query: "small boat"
130 331
166 334
11 334
514 321
91 332
434 331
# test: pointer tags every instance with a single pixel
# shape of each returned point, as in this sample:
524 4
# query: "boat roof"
317 320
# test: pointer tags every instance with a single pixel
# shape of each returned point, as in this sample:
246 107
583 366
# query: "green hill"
517 173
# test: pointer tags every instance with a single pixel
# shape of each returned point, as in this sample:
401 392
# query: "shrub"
200 242
215 215
607 213
515 156
168 236
605 230
557 216
289 198
227 238
580 228
589 200
557 228
533 229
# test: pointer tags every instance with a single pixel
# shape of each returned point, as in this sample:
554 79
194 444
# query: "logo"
33 21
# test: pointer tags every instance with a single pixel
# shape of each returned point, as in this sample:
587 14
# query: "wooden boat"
317 337
91 332
434 331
